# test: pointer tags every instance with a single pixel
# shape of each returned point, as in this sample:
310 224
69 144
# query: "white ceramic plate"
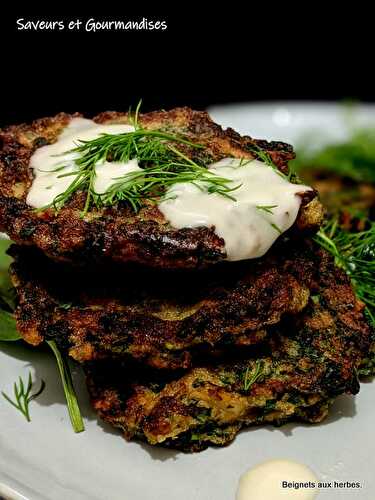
292 122
44 459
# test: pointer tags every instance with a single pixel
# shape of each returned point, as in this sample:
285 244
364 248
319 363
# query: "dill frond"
162 166
266 208
250 377
354 252
23 396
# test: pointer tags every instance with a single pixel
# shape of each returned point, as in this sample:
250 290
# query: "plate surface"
44 459
294 122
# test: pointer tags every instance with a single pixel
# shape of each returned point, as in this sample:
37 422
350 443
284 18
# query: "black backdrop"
227 54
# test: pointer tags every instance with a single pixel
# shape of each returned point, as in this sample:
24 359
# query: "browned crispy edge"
117 233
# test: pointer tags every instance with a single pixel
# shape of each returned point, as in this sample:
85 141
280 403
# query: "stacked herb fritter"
162 319
181 353
310 359
267 341
117 233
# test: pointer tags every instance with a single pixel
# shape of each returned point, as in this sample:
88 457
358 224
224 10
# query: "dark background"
224 55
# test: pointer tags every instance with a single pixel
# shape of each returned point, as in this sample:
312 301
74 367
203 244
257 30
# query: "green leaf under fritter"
8 329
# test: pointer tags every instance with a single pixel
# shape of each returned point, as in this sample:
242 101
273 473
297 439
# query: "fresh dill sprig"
266 208
354 252
23 396
266 158
251 378
151 183
150 147
162 166
70 395
133 117
276 227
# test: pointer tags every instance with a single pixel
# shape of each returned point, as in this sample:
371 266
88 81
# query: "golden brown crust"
162 319
165 320
311 358
116 233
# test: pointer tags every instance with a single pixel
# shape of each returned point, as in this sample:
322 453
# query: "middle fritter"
164 319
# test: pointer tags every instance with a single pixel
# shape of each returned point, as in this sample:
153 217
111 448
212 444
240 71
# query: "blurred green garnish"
353 159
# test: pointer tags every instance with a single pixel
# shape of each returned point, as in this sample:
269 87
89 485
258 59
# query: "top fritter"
166 189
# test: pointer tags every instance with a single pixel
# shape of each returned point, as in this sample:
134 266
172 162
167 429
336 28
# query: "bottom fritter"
309 360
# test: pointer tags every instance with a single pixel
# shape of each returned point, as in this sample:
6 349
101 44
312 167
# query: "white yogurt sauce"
265 482
108 172
48 183
248 231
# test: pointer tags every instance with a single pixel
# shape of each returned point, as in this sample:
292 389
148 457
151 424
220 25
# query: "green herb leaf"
266 208
5 260
70 395
266 158
6 288
355 254
162 166
8 329
23 396
65 305
250 377
276 227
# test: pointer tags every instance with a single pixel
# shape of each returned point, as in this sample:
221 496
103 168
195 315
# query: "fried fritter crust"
310 359
163 319
117 233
